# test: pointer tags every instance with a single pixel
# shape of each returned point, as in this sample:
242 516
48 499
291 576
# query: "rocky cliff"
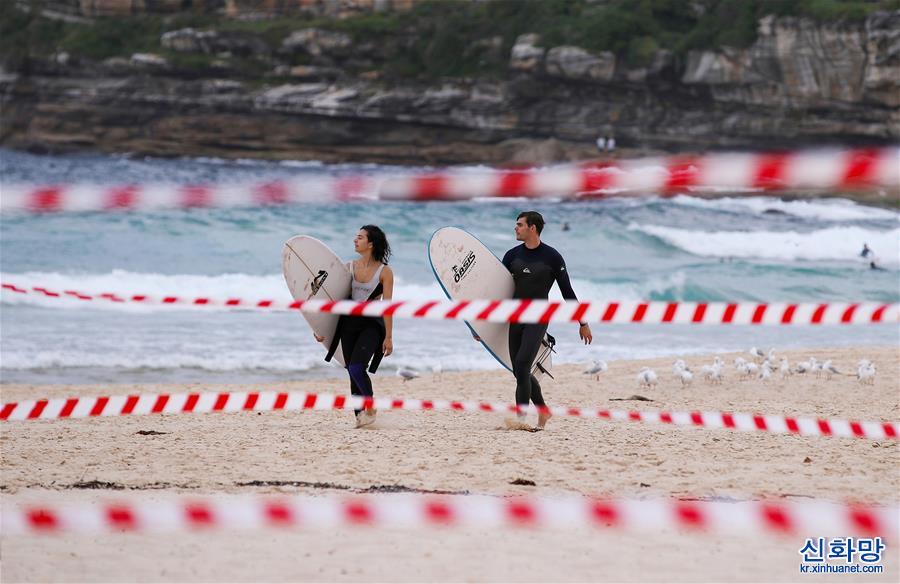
800 84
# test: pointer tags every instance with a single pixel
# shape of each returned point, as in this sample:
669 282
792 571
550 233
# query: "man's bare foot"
366 418
542 419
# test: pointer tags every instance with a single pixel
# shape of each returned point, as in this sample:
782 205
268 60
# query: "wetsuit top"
534 271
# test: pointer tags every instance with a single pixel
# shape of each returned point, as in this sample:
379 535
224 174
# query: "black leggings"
524 343
359 341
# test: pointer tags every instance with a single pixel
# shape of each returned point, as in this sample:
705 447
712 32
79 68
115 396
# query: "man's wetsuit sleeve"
507 259
562 278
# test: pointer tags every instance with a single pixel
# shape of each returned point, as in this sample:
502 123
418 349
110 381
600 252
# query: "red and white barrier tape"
408 511
265 401
813 170
531 311
143 197
809 170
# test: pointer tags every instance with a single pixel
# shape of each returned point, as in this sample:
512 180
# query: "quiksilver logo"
459 272
317 282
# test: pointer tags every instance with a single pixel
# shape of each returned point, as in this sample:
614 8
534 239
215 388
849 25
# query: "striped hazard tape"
522 311
855 169
266 401
802 170
425 511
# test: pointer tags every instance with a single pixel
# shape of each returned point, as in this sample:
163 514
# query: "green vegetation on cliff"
440 38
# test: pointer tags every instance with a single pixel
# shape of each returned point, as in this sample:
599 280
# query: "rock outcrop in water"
801 83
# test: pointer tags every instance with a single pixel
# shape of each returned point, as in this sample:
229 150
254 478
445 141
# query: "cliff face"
795 64
799 84
328 8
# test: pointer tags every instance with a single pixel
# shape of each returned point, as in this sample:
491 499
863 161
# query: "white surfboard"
467 270
312 270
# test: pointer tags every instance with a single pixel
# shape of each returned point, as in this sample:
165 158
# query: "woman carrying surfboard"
534 266
365 340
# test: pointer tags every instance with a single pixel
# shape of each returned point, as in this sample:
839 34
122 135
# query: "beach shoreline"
319 452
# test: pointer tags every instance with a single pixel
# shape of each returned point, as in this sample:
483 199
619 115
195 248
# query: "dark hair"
381 249
533 218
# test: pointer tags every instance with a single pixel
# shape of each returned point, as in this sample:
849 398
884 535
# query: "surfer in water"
366 339
869 255
534 266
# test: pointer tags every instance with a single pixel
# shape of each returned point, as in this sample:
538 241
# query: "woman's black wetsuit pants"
359 341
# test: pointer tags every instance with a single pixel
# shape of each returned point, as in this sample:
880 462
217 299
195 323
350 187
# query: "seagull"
817 367
718 370
407 373
679 368
757 354
765 374
750 370
829 369
739 363
865 374
770 356
647 378
686 377
437 372
596 368
785 368
713 373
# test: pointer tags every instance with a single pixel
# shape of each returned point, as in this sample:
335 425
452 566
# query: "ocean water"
734 248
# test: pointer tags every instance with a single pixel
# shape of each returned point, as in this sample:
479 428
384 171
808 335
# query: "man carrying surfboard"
534 266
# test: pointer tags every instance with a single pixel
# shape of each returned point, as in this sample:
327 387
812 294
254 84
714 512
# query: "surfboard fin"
549 341
544 371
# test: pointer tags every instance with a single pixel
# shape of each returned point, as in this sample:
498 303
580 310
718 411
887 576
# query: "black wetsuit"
533 271
361 339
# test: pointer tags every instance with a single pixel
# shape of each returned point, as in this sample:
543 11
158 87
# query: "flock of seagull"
760 366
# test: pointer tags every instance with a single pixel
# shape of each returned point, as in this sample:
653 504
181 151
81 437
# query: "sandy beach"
320 452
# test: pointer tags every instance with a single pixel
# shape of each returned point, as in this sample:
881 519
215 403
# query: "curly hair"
381 249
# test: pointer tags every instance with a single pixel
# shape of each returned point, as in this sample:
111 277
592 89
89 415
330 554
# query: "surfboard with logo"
313 271
467 270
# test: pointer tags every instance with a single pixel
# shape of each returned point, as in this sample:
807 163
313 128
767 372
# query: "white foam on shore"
140 359
251 287
821 209
834 243
308 357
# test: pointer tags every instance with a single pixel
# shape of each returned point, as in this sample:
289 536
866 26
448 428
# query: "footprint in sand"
514 424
